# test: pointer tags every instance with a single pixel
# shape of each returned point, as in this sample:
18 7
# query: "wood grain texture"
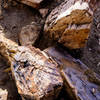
69 23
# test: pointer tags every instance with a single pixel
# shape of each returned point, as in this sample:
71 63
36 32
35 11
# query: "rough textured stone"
80 82
3 94
36 75
91 53
32 3
29 34
70 23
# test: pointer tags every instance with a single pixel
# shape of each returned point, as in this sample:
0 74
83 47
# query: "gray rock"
80 82
36 75
3 94
91 53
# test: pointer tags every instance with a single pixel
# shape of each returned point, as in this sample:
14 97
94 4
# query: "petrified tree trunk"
80 82
91 54
36 75
70 23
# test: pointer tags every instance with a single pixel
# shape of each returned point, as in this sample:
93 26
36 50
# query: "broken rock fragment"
69 23
3 94
91 52
80 82
32 3
29 34
36 75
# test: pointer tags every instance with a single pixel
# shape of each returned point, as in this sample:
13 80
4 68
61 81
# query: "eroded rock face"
70 23
80 82
3 94
36 75
29 34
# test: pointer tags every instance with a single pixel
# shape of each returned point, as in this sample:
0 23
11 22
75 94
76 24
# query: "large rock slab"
36 75
80 82
70 22
91 52
29 34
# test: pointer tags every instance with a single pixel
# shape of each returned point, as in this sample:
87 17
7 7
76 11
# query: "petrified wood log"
80 82
3 94
70 23
91 53
37 76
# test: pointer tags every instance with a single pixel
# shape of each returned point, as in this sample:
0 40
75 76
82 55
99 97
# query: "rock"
32 3
7 83
91 52
3 94
29 34
36 75
4 78
80 82
43 12
69 23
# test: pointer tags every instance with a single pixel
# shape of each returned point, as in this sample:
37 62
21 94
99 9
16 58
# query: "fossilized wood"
80 82
70 23
91 53
3 94
36 75
32 3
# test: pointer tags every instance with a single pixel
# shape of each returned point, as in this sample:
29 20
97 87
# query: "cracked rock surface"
80 81
69 23
36 75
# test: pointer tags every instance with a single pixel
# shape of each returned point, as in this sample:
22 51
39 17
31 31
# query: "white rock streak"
78 5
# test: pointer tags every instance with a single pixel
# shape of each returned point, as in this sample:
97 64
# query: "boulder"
80 82
29 34
69 23
36 75
3 94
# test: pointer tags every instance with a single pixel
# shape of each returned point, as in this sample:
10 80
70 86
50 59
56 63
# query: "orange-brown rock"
70 23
